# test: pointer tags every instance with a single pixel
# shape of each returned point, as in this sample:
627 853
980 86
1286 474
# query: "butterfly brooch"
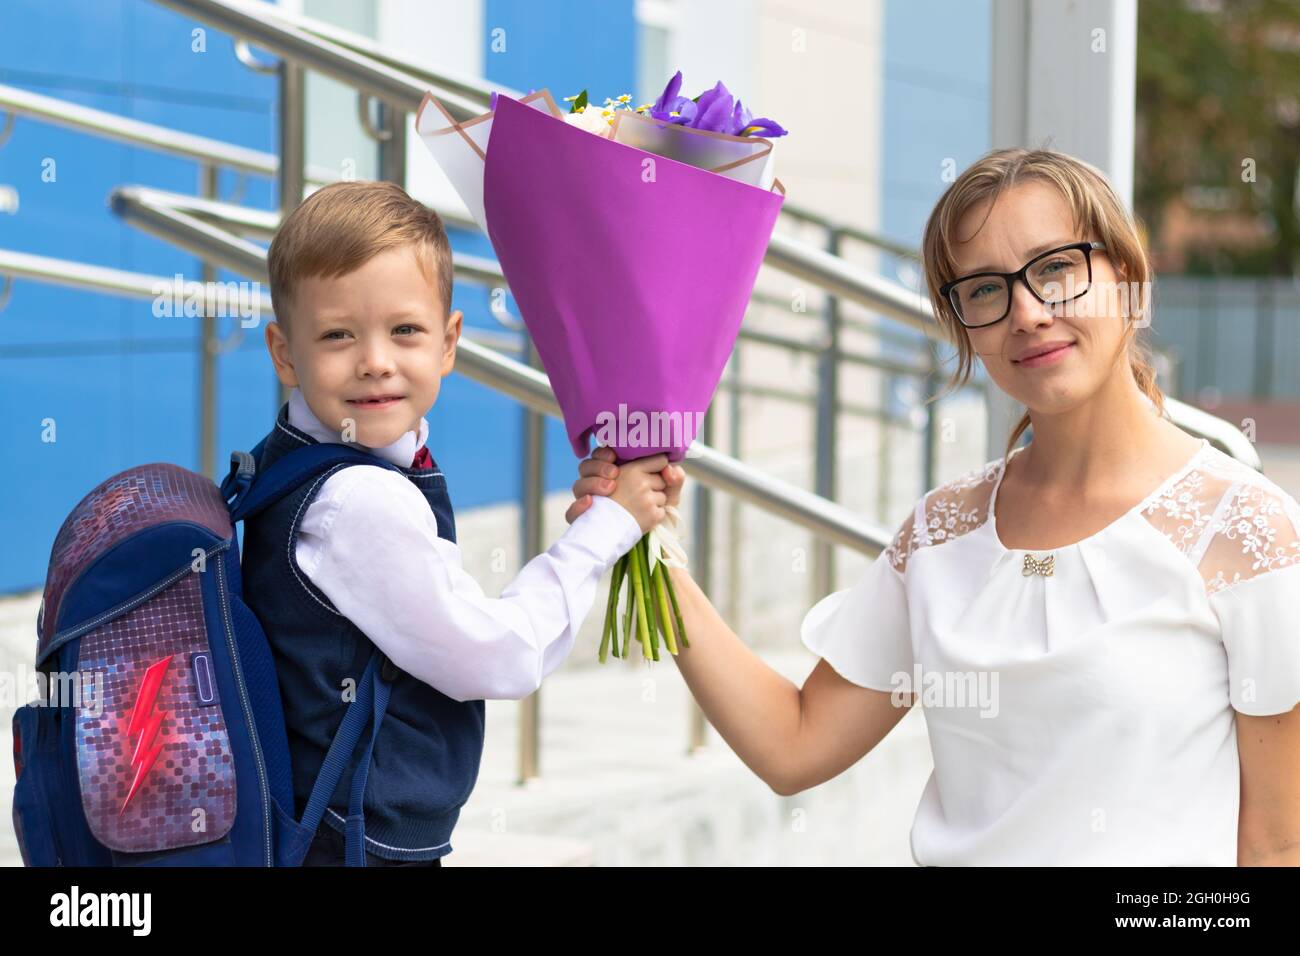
1035 566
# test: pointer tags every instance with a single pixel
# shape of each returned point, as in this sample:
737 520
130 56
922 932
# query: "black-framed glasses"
1053 277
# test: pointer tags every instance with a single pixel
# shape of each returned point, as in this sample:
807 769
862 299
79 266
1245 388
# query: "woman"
1101 624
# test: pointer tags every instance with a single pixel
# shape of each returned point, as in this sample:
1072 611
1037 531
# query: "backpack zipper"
114 612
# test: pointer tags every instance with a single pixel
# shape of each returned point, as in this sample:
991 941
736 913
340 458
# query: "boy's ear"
281 358
450 336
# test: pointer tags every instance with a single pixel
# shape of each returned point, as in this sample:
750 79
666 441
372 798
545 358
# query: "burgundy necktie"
423 460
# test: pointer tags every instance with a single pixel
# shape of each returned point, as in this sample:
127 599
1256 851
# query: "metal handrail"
403 89
833 274
83 275
830 273
480 92
530 387
263 223
145 207
812 217
127 130
153 209
140 203
253 23
842 279
139 285
471 89
161 139
258 24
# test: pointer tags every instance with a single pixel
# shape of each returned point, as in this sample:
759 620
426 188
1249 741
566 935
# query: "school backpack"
158 738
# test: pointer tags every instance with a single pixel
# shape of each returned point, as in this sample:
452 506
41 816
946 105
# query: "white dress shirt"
370 542
1086 716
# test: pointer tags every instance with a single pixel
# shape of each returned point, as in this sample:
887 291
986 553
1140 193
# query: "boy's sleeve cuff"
607 528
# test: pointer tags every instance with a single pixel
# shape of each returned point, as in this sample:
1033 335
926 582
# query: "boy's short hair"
342 226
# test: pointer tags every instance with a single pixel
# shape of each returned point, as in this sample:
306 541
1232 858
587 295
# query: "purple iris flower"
715 109
742 123
765 127
669 103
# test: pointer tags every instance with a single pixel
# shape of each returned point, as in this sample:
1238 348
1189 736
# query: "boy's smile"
368 349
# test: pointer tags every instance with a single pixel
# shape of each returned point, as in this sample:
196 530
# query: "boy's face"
376 332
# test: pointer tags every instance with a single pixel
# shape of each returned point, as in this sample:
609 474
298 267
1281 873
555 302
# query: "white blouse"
1086 716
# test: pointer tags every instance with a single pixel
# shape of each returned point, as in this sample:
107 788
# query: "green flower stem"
665 616
638 583
630 606
603 654
608 631
650 601
677 611
647 609
620 647
651 607
630 636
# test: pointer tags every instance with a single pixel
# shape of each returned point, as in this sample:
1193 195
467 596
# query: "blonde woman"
1129 593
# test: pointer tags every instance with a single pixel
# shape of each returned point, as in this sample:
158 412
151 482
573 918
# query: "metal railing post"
392 148
208 346
883 450
702 571
734 446
824 469
293 154
531 500
929 450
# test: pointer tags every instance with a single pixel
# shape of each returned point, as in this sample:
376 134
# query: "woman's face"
1024 221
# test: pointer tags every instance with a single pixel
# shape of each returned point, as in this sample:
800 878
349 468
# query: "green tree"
1218 100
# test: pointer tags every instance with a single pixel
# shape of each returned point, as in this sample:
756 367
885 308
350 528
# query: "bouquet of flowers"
631 239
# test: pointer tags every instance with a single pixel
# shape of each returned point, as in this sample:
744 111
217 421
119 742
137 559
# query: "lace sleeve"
1251 569
906 540
945 514
1255 532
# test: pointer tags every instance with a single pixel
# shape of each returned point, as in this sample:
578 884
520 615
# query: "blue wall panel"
121 383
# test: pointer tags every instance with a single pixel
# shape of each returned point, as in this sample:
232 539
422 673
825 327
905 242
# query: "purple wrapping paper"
632 272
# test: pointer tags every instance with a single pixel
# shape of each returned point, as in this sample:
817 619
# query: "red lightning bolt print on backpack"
158 735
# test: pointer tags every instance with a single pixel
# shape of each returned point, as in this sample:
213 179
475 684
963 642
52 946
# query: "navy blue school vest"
426 757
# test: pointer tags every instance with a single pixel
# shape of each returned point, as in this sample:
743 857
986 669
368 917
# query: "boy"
366 557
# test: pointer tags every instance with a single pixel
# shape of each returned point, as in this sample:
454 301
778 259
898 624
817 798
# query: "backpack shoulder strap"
248 491
366 709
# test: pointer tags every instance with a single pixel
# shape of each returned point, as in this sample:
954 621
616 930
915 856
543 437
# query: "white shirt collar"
400 453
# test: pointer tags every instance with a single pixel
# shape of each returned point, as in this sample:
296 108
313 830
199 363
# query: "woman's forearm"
755 709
